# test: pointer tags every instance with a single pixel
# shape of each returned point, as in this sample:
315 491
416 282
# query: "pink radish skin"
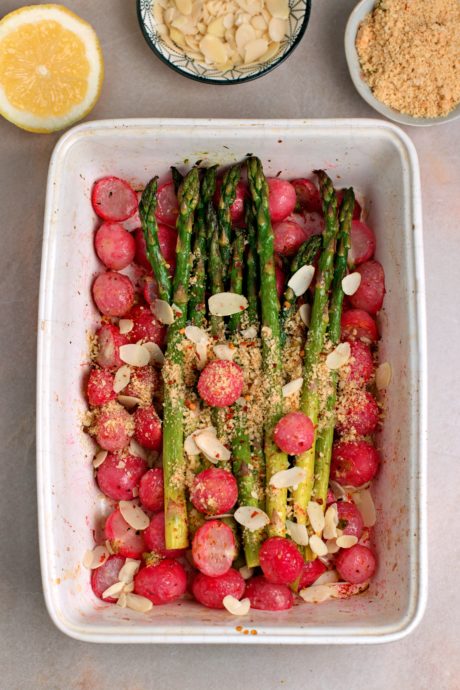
151 490
99 389
311 570
113 293
124 539
363 243
118 476
145 326
355 565
361 364
221 383
363 417
280 560
357 324
369 296
214 491
104 577
237 208
167 206
294 433
154 537
114 246
266 596
354 463
109 341
280 281
210 591
150 289
213 548
350 520
145 383
288 237
161 583
308 198
113 199
113 427
147 428
281 198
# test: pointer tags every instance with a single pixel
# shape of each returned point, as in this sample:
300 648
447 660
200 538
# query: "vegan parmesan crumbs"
409 52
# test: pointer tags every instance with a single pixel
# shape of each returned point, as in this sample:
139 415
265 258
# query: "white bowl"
361 10
379 160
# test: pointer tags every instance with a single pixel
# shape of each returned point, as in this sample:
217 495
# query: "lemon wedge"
51 68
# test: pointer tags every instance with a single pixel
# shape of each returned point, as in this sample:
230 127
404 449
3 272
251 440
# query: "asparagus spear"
215 270
252 278
309 400
226 199
197 306
147 206
326 435
173 442
177 178
276 499
305 255
236 277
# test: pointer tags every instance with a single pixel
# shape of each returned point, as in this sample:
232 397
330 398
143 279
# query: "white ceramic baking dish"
380 161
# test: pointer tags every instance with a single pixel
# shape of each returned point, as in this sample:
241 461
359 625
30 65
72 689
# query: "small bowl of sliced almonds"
223 41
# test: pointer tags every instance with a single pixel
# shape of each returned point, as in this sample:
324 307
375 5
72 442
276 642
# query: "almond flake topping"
95 558
163 311
235 606
351 283
136 449
316 516
305 313
99 458
196 335
246 572
332 546
338 357
316 594
122 600
297 532
365 504
156 353
301 280
331 520
122 378
125 326
292 387
224 352
337 489
346 541
249 333
134 354
134 515
114 590
227 303
287 478
251 518
327 577
210 445
190 446
201 350
318 546
383 376
137 603
128 401
128 570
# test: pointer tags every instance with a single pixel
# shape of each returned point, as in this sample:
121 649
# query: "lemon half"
51 68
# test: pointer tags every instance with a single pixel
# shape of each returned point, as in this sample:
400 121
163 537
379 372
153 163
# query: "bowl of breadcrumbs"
404 58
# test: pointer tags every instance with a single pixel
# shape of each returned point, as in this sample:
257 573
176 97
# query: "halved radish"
281 198
161 583
151 490
109 341
210 591
113 426
154 537
113 199
371 291
357 324
308 198
237 208
266 596
363 243
99 389
104 577
288 236
145 326
119 475
167 206
125 540
113 293
114 246
213 548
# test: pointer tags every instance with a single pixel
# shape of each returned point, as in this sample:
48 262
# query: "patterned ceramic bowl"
299 14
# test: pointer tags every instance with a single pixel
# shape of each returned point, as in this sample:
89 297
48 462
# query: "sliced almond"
95 558
134 354
99 459
213 49
297 532
121 378
337 489
227 303
305 313
108 546
136 449
125 326
134 515
339 356
287 478
251 518
315 516
228 21
292 387
217 28
243 35
332 546
235 606
254 50
331 520
383 376
184 6
277 29
246 572
346 541
258 22
114 590
278 8
128 401
122 600
351 283
196 335
270 53
317 545
327 577
156 353
201 350
316 594
225 352
190 446
128 570
137 603
210 445
365 504
301 280
249 333
163 311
